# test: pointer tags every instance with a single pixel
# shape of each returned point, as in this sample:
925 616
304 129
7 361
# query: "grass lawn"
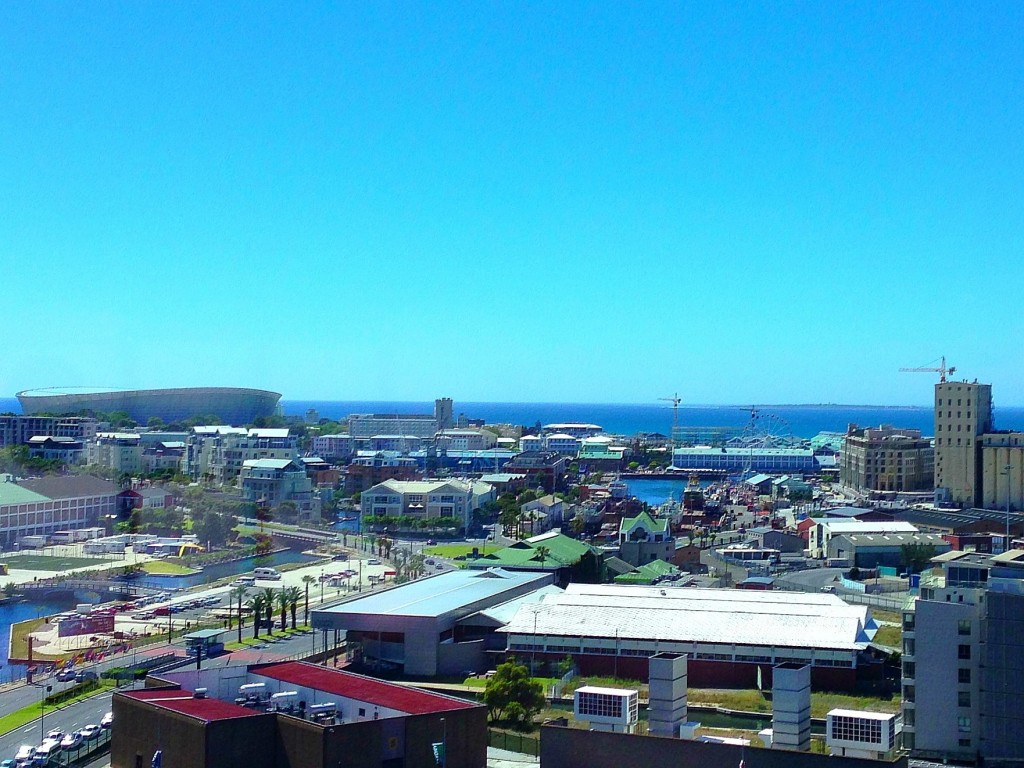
27 714
821 703
164 567
248 640
452 550
881 615
891 636
51 562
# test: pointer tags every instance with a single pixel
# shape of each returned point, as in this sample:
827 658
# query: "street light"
43 690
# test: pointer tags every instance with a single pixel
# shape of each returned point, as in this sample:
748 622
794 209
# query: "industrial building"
823 529
292 715
42 506
730 636
871 550
440 625
233 405
770 460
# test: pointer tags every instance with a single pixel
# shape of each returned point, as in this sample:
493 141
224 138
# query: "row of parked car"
183 605
55 742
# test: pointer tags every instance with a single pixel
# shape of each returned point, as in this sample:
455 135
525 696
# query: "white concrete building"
427 499
219 452
825 528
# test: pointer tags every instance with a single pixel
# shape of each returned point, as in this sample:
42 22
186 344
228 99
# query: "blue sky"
529 201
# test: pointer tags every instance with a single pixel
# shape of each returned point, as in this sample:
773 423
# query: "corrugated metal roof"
719 616
442 594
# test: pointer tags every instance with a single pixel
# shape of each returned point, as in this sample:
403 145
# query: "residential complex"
218 453
272 482
427 499
18 430
963 660
886 459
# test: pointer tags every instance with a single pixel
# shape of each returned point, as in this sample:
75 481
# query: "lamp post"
43 690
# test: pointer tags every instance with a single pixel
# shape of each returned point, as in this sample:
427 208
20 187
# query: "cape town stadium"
232 405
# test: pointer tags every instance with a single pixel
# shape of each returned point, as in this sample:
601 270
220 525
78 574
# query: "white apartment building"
274 481
333 447
427 499
218 453
121 451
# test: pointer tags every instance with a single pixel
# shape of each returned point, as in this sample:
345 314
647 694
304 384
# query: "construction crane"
942 370
675 400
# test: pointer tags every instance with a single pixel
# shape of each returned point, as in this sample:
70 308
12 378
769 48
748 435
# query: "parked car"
373 561
91 731
429 561
107 720
8 763
72 740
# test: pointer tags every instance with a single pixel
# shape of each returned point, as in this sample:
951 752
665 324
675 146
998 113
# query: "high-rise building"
443 410
963 660
963 412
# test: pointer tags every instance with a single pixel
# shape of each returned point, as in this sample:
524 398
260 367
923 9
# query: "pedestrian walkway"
503 758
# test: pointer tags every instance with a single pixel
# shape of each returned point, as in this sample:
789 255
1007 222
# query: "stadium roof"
720 616
438 595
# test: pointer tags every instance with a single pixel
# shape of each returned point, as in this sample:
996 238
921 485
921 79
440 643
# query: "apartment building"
121 451
963 660
218 453
886 459
425 499
333 447
16 429
275 481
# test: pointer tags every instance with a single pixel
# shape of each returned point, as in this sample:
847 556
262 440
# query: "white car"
91 731
72 740
107 720
55 735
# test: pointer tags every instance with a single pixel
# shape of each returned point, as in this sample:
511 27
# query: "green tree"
916 556
293 595
543 553
10 588
269 599
257 604
511 694
288 511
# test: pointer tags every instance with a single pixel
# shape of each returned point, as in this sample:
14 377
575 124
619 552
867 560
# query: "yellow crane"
942 370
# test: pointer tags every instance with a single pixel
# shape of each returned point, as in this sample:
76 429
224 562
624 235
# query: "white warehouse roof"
718 616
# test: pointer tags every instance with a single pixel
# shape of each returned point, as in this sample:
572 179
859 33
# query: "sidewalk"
502 758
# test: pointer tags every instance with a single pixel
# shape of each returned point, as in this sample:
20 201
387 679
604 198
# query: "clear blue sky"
531 202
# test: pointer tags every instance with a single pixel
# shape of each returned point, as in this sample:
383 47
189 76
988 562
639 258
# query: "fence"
513 742
558 688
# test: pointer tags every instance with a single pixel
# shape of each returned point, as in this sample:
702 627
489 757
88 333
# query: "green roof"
659 525
561 550
647 573
12 493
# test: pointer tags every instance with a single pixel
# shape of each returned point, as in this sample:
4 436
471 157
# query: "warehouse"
732 637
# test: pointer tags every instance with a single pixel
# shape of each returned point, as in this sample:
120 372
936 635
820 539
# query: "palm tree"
306 581
237 594
256 603
294 594
417 563
543 553
282 604
269 596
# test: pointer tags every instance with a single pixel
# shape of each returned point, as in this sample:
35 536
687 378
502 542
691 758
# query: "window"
963 651
963 627
964 742
909 669
963 675
963 724
908 646
963 698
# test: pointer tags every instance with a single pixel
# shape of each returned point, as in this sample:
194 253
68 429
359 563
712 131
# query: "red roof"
399 697
184 702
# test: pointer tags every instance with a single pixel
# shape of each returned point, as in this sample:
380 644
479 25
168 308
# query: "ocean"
627 419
